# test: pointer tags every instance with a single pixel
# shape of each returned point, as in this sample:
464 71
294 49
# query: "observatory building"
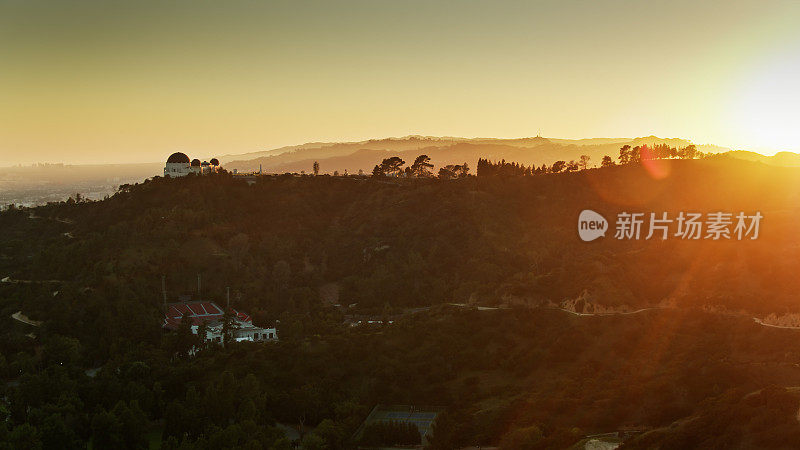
178 165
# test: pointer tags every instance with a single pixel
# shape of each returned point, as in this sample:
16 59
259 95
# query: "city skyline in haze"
119 82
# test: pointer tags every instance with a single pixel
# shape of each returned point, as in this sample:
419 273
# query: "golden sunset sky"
112 81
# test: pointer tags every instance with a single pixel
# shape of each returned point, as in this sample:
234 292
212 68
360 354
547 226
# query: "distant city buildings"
179 165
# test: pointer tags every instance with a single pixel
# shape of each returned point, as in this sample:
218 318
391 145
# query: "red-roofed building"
212 315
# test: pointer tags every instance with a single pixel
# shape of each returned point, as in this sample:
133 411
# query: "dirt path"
761 322
25 319
10 280
479 308
597 444
755 319
33 215
623 313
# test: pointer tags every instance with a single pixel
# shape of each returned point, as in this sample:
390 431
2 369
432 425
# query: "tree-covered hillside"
420 242
311 252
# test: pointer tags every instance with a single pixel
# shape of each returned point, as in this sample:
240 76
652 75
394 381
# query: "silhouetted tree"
584 162
625 154
446 172
392 166
572 166
454 171
202 332
421 166
184 338
688 152
229 326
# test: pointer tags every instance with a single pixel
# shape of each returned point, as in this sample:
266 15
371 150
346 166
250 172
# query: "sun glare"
767 111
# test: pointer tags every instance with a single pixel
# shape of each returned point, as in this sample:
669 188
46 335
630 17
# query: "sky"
112 81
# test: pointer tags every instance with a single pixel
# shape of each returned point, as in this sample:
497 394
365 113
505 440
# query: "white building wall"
247 332
177 169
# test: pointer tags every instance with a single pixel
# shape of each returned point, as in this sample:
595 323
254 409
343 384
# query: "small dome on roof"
178 158
214 162
195 162
205 163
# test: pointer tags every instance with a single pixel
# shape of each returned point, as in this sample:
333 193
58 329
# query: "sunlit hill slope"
355 156
422 242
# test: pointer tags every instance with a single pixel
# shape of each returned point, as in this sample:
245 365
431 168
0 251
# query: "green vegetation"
627 155
763 419
100 371
389 433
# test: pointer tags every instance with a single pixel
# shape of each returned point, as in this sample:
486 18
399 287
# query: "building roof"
200 311
178 158
214 162
195 162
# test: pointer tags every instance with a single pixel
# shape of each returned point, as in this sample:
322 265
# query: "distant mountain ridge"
786 159
363 155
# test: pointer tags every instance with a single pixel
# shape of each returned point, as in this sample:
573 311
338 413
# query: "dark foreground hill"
411 243
311 251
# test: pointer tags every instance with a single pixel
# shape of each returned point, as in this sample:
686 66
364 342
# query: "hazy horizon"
116 82
297 144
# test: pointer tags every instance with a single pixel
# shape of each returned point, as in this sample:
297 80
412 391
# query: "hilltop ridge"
474 275
442 150
510 225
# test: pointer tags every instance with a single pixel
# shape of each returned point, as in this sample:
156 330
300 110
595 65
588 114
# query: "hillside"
494 241
767 418
355 156
38 184
786 159
91 362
